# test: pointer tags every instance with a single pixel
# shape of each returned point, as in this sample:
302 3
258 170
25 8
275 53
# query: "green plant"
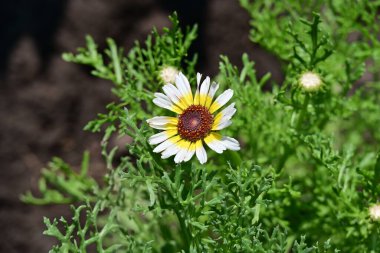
309 162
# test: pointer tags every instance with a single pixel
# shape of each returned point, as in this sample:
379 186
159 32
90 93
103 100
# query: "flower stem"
185 234
288 151
303 112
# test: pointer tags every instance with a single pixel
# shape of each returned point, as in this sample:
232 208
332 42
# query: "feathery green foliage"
305 177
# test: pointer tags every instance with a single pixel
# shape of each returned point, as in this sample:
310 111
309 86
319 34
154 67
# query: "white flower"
168 74
195 124
310 81
374 212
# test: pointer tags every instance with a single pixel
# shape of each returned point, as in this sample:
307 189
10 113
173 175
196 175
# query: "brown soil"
45 102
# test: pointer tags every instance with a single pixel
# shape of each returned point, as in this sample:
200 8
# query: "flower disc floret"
195 123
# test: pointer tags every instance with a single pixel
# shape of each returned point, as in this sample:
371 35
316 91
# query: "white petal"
221 100
159 127
225 97
230 143
205 86
189 155
180 156
172 92
158 138
222 119
201 153
162 103
163 146
162 122
190 152
214 87
185 81
171 150
181 85
196 95
217 146
161 96
159 120
222 125
184 88
229 111
199 76
213 140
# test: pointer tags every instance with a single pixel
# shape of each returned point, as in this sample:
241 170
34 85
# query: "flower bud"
310 81
374 212
168 74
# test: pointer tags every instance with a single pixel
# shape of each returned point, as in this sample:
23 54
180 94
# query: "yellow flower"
195 124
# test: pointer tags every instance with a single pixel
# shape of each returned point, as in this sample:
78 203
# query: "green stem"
303 112
374 243
288 150
186 236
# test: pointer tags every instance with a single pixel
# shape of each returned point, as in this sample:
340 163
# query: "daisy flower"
195 124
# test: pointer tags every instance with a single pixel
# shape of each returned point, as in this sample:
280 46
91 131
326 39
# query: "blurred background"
45 102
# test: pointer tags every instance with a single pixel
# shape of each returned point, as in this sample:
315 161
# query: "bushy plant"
308 170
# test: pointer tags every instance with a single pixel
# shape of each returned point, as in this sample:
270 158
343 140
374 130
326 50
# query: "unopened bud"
374 212
168 74
310 81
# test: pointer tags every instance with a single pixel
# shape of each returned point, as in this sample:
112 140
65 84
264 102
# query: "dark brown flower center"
195 123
